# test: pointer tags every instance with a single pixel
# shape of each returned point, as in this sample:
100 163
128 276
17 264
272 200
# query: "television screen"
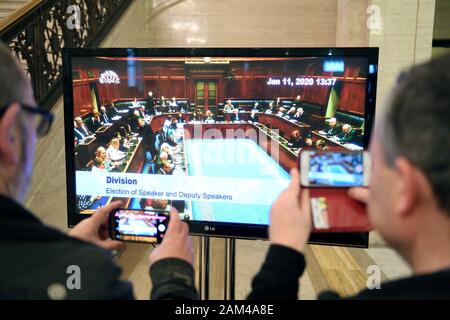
211 132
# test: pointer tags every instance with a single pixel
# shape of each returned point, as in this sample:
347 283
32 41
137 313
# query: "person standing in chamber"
278 102
148 137
150 103
253 118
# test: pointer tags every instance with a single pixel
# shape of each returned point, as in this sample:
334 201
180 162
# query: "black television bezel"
208 228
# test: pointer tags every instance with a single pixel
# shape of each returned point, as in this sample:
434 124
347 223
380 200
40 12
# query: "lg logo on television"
208 228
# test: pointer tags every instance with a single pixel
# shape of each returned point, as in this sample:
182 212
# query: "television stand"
229 271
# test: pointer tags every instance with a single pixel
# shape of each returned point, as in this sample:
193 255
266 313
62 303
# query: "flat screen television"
212 132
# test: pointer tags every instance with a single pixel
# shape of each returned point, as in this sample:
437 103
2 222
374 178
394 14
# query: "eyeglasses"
44 118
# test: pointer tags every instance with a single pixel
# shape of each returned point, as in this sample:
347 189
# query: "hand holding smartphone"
132 225
334 169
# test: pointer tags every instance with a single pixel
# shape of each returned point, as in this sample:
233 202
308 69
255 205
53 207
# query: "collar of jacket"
17 223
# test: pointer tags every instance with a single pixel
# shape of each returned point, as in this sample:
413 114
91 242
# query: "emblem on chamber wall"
109 77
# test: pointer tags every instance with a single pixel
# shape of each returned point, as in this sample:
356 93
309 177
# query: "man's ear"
408 187
8 138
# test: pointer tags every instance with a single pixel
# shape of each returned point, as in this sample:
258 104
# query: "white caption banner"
180 187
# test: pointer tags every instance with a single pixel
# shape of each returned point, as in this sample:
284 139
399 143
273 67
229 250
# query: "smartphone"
138 225
335 169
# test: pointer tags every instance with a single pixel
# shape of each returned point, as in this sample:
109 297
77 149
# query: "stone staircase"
7 7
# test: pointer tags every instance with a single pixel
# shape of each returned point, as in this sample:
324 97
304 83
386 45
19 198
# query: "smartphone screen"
138 225
334 169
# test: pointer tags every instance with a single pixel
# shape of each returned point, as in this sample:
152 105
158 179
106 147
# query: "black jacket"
150 105
37 257
278 279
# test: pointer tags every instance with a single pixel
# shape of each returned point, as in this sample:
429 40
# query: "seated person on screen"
180 117
93 123
331 128
166 168
209 117
98 165
228 107
297 102
295 140
291 113
142 113
321 145
135 104
105 119
307 142
78 133
408 200
253 118
113 152
101 153
173 105
134 121
298 116
271 109
347 134
173 126
281 111
167 124
112 111
235 116
81 126
163 105
39 255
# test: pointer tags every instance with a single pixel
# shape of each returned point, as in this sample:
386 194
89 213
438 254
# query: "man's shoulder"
427 286
38 266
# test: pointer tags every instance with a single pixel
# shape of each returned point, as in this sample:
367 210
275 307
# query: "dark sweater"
37 257
278 279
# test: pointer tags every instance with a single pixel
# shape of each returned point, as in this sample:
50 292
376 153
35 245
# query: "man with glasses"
38 261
